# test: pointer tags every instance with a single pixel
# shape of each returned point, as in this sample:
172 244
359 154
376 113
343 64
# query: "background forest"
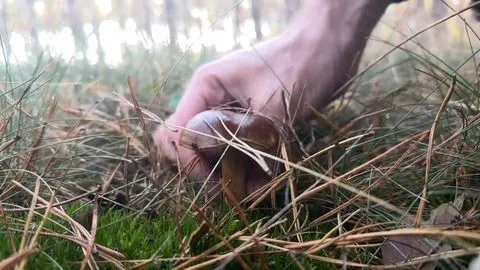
103 40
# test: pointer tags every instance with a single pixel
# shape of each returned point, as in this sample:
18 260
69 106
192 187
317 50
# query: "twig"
421 206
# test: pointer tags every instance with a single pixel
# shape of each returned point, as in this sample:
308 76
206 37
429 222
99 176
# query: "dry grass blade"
33 241
244 219
42 222
287 244
257 158
219 236
140 116
32 246
111 255
31 155
362 237
57 212
8 144
319 246
310 193
62 203
330 181
221 257
7 228
11 262
284 176
108 254
190 261
91 242
111 176
35 197
295 211
323 118
421 206
337 261
102 250
378 182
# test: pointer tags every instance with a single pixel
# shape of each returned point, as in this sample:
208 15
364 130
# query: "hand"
303 66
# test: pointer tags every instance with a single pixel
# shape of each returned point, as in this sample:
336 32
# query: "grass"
384 163
145 237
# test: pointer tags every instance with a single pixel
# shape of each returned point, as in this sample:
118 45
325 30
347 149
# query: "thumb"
205 90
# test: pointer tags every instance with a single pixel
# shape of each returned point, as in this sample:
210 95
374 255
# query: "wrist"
344 18
329 35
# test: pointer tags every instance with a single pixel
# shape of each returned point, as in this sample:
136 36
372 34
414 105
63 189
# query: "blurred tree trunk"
33 20
121 11
171 10
147 23
4 23
256 4
291 6
236 24
100 51
76 27
187 19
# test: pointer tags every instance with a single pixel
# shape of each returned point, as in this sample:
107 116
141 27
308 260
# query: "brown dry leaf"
447 213
399 249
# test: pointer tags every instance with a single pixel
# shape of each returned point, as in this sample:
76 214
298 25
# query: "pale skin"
317 54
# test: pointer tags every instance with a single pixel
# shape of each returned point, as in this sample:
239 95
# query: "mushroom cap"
256 130
241 171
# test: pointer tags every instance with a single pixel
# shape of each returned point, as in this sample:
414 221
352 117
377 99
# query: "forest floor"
396 160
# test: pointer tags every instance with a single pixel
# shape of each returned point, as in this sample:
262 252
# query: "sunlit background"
99 26
100 30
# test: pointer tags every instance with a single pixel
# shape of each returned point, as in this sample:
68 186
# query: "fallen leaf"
446 214
398 249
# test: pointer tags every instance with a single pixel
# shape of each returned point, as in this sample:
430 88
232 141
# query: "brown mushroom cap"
257 131
238 168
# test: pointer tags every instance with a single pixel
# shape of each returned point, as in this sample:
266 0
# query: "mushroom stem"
234 174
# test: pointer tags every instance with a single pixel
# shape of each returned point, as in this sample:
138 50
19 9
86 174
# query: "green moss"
140 238
137 238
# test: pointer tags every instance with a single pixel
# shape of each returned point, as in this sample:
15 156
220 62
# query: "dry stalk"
209 251
133 89
91 242
8 144
78 227
35 197
284 176
219 236
7 229
421 206
362 237
15 259
221 257
243 217
310 193
378 182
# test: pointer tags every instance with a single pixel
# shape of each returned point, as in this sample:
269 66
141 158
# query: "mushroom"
207 133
